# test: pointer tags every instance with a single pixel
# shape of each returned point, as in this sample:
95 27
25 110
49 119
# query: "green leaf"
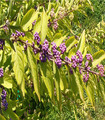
2 118
47 78
12 115
37 27
7 81
59 41
72 52
58 90
18 58
63 80
70 42
79 83
34 71
98 57
29 17
81 44
44 25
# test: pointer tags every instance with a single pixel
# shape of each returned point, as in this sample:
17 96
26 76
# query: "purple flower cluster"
17 34
56 54
89 57
4 102
36 37
1 72
62 48
101 69
86 77
1 44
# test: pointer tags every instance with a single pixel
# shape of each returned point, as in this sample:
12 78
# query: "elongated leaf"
79 81
70 42
98 57
44 27
81 43
63 80
72 52
59 41
34 71
7 81
47 78
12 115
58 90
29 17
18 58
37 27
2 118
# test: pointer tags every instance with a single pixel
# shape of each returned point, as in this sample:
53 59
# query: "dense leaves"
48 58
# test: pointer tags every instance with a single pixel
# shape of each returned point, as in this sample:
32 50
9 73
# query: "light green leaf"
72 52
98 57
18 58
63 80
37 27
34 71
59 41
29 17
47 78
81 44
7 81
70 42
58 90
44 25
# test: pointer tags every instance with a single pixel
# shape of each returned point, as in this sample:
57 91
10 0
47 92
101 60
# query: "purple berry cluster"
101 69
1 72
56 54
37 38
1 44
45 50
86 77
62 48
89 57
77 59
4 101
55 26
17 34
